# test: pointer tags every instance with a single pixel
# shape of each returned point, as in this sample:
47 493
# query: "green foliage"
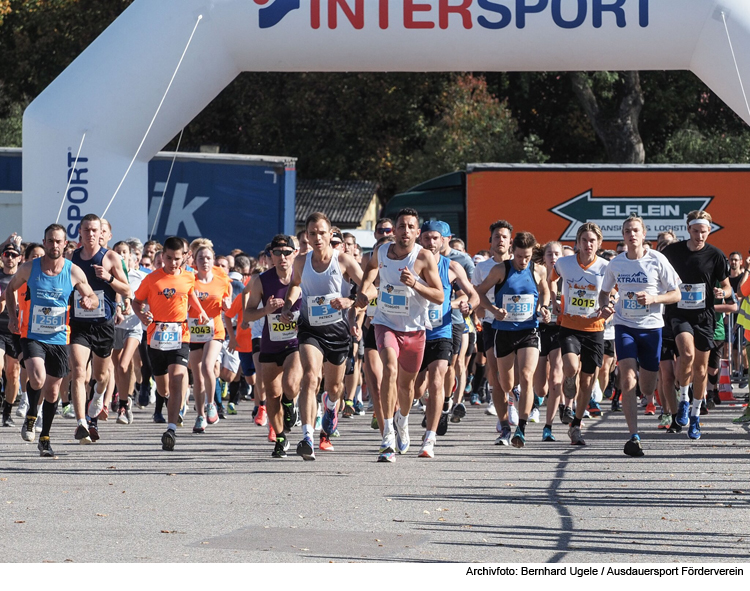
11 127
689 146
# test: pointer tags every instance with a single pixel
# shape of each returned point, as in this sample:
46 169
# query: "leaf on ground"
19 522
102 515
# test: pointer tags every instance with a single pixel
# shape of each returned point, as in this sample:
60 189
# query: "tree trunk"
618 130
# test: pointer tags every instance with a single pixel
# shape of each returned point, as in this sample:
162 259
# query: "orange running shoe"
650 409
261 419
271 434
325 443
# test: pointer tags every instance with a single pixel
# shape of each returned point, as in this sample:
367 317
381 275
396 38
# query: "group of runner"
319 323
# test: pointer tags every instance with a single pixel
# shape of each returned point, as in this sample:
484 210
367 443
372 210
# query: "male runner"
10 344
693 319
409 281
581 326
93 332
521 292
439 338
279 348
168 291
323 334
645 281
50 281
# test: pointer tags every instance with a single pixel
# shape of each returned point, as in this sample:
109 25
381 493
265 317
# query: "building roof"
344 202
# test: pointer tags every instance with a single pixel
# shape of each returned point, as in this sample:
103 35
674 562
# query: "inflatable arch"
112 91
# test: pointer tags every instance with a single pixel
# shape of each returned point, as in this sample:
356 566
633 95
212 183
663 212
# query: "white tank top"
318 289
400 308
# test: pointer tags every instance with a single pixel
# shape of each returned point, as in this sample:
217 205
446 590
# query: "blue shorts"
247 364
641 344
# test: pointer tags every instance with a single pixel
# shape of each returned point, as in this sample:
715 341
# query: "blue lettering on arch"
615 7
522 9
575 23
270 16
506 17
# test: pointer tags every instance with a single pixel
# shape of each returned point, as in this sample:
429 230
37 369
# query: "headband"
700 222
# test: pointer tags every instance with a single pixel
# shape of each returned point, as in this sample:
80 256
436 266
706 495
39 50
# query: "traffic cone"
725 383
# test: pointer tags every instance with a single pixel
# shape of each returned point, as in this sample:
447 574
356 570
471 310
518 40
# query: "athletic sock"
7 409
522 425
403 421
548 426
48 415
33 398
159 406
82 423
576 422
280 437
695 408
171 427
447 404
262 402
430 435
476 383
330 404
307 431
285 400
123 404
684 396
387 427
505 424
234 392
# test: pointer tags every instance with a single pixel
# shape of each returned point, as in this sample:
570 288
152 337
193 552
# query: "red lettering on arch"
356 17
410 8
462 9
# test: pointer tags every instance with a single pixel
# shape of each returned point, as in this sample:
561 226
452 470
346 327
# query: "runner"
439 338
581 326
323 335
51 280
92 333
646 281
521 292
409 281
212 286
693 319
167 292
10 344
279 348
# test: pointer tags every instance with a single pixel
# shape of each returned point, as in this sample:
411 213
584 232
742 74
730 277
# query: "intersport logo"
444 14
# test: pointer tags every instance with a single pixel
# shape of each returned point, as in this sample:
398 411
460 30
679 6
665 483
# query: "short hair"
590 227
29 249
201 243
174 243
407 212
317 216
122 243
608 255
154 243
300 234
699 214
457 241
501 224
134 244
731 254
660 237
524 240
185 244
241 261
91 217
54 228
349 235
550 244
633 218
105 223
384 221
484 253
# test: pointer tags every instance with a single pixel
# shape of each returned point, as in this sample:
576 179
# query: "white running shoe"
38 426
490 410
95 406
69 412
22 409
513 415
428 449
534 415
402 433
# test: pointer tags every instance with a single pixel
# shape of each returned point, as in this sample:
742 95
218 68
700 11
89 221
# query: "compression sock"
695 408
522 425
234 392
48 415
33 399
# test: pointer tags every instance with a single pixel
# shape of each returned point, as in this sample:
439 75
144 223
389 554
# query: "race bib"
320 312
582 302
693 296
394 300
80 312
520 308
631 308
279 331
201 333
48 320
167 336
435 313
372 306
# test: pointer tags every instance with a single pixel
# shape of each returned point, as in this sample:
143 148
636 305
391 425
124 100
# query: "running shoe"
271 434
348 411
290 415
683 413
674 427
374 423
104 414
279 450
159 418
567 415
519 439
534 415
575 436
231 409
474 400
716 397
8 421
491 410
512 415
615 402
220 411
547 434
516 392
45 449
709 402
27 429
743 418
694 429
23 408
586 414
181 417
305 449
96 406
168 439
504 438
212 413
594 409
387 456
442 427
325 442
330 417
402 434
388 443
129 411
665 421
633 447
538 401
335 433
68 411
94 431
200 424
704 407
359 408
428 449
459 412
122 419
424 421
261 419
82 435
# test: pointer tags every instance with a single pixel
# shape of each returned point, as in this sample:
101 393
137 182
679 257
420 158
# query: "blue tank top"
440 314
102 289
48 304
518 295
277 336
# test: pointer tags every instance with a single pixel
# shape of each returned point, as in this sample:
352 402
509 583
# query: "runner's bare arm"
111 269
11 297
195 303
251 313
426 268
724 290
462 279
542 286
89 300
351 268
294 291
368 278
495 276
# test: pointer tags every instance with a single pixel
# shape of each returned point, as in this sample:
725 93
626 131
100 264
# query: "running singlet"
318 290
131 321
400 308
102 289
699 271
211 296
518 295
440 315
480 274
48 304
4 319
167 297
277 336
580 294
653 274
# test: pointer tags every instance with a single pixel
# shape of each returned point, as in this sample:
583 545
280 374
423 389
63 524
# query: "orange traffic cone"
725 383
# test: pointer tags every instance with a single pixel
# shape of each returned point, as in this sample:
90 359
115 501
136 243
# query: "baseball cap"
281 240
437 226
11 247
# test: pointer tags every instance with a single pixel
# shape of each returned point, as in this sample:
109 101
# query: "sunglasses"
282 253
11 255
384 230
335 242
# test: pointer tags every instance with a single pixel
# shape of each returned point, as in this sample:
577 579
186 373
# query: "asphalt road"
220 497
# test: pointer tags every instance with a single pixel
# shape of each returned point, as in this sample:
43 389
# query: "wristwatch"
111 278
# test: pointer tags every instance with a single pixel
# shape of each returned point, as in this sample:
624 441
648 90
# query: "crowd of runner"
313 330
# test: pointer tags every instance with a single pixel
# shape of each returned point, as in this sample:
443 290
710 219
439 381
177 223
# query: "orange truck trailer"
552 201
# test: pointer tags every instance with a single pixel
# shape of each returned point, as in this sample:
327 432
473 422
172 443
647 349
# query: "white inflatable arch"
113 90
